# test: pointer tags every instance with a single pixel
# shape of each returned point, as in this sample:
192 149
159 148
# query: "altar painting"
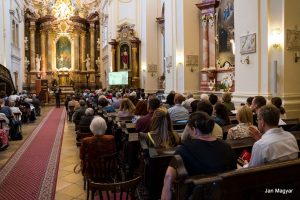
63 53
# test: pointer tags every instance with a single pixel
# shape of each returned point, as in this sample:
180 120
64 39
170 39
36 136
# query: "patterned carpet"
32 171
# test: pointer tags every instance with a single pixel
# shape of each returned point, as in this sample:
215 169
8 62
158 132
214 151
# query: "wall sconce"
246 61
276 38
297 57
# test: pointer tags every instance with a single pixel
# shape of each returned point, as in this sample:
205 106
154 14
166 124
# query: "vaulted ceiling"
84 8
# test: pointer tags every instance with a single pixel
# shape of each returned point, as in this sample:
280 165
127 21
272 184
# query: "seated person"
206 107
161 133
276 101
126 108
85 121
143 123
178 112
37 104
274 144
227 102
98 145
79 112
103 102
221 115
204 154
140 110
245 118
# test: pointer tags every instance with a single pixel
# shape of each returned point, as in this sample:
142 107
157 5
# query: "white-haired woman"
97 145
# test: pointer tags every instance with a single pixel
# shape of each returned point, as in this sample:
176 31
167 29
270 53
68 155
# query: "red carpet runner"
32 171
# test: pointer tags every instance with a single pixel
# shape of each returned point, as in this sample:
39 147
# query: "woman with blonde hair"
126 108
161 133
245 118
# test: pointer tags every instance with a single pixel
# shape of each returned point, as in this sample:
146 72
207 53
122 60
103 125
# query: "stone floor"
69 185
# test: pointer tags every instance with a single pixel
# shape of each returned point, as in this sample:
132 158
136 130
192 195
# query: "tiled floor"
69 185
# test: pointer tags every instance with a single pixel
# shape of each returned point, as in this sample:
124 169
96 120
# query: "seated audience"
161 133
98 145
178 112
116 100
188 101
15 110
204 154
143 123
245 118
206 107
140 110
37 104
274 144
126 108
221 115
227 102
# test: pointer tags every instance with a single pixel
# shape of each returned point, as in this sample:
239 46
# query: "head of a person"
204 97
1 101
178 99
98 126
267 118
194 105
244 115
249 101
102 101
222 112
189 95
141 108
226 97
89 112
127 105
161 124
276 101
213 99
118 95
82 103
11 104
201 122
257 103
205 106
153 104
170 98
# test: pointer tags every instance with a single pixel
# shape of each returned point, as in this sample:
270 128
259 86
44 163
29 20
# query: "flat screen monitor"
118 78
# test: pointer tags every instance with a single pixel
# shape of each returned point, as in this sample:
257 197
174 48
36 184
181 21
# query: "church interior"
191 47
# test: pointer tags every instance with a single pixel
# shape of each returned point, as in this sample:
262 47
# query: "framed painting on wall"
248 43
293 40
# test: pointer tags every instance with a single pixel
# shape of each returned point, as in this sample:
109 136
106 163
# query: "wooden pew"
263 182
289 123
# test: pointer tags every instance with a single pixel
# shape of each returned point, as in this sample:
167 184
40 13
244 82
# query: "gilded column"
32 29
43 51
92 45
205 41
76 51
82 51
135 65
49 53
113 44
212 42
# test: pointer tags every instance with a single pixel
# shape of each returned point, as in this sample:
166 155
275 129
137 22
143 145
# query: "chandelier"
62 9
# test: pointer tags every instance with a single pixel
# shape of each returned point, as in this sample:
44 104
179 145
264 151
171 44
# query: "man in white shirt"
274 144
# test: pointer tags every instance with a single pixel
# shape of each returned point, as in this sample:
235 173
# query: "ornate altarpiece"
125 53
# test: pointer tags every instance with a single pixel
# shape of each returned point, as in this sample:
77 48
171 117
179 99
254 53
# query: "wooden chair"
103 169
121 190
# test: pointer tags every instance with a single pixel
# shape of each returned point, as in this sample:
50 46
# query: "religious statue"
98 44
38 62
88 62
125 59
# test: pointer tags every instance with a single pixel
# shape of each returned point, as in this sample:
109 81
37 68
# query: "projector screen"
118 78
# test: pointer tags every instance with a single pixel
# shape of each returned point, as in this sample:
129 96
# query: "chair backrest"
102 169
120 190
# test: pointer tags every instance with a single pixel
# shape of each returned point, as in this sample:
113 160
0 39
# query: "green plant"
221 86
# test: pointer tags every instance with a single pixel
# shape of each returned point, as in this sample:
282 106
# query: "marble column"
212 42
82 51
76 51
92 45
205 41
49 53
32 30
43 52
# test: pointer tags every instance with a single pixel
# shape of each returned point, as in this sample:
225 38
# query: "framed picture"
293 40
248 43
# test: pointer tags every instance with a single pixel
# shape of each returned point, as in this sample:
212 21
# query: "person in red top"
97 145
